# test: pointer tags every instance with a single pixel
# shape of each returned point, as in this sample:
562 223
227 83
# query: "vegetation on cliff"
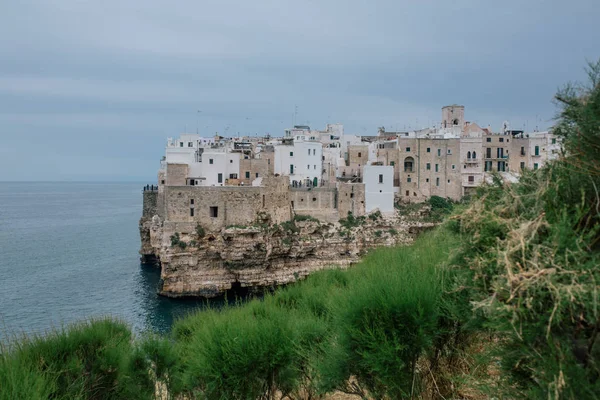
501 300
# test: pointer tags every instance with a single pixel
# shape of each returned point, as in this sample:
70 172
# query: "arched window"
408 164
468 154
474 155
455 122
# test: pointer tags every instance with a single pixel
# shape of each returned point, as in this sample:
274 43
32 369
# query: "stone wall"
149 204
253 168
351 198
316 202
358 155
215 207
176 174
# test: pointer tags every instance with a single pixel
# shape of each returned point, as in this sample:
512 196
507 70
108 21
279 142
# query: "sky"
91 90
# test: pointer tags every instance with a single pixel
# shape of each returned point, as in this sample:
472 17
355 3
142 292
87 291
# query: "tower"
453 115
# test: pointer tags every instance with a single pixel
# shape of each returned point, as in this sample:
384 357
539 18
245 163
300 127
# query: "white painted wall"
305 156
379 195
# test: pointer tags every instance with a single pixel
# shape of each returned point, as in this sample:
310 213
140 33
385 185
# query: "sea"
69 253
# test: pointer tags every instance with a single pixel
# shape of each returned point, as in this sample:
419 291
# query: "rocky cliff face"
196 263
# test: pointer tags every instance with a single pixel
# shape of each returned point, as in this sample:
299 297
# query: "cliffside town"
265 211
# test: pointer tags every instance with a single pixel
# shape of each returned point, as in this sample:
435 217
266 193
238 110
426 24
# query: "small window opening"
214 212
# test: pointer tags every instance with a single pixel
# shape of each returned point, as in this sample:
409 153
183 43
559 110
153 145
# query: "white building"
379 188
299 156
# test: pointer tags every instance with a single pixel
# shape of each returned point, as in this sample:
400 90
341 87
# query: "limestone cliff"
194 263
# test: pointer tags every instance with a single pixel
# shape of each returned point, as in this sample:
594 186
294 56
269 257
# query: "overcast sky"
90 90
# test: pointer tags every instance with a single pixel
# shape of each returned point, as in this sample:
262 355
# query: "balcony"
471 161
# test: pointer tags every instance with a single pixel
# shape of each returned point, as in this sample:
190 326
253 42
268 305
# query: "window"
522 165
500 152
269 161
407 193
180 144
488 140
257 174
409 179
210 160
428 166
220 178
474 155
507 140
501 140
314 167
247 174
314 199
408 164
408 149
488 152
449 151
488 166
230 161
359 154
537 150
351 195
427 180
190 144
501 166
439 152
535 166
307 166
191 212
522 150
453 166
214 212
291 169
314 152
468 154
392 163
309 152
471 179
162 182
437 167
429 149
380 178
291 154
437 181
553 141
232 176
192 202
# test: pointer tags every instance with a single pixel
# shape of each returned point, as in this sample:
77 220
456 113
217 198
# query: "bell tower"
453 115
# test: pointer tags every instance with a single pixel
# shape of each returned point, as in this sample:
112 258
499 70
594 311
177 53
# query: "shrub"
176 241
289 227
299 217
351 221
385 321
375 215
248 352
90 360
200 232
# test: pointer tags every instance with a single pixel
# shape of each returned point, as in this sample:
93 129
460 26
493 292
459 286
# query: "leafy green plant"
299 217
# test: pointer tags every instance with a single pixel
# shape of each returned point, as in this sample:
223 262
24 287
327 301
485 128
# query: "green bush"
299 217
176 241
530 262
94 360
248 352
200 232
375 215
386 320
351 221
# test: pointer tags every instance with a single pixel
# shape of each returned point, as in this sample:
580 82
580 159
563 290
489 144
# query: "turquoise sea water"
69 252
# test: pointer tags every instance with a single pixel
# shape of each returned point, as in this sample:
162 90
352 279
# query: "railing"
150 188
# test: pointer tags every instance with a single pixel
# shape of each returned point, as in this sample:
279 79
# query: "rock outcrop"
195 263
